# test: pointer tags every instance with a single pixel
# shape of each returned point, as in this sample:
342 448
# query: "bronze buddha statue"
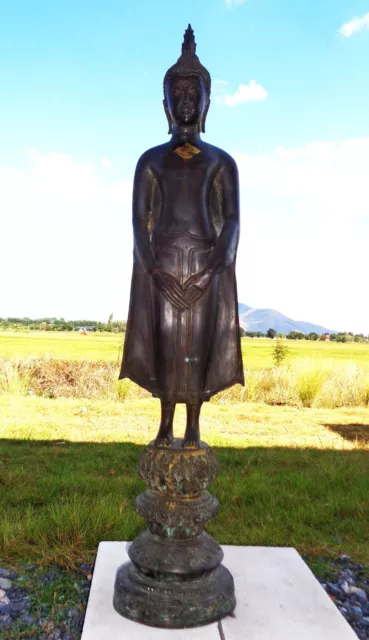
183 345
183 339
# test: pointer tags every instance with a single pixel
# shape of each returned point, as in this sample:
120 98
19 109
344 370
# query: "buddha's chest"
185 171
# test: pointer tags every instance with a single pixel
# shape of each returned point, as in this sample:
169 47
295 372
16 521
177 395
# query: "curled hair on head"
188 63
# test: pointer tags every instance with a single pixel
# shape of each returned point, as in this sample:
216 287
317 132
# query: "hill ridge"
255 319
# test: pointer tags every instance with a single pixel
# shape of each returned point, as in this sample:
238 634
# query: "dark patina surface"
183 339
176 578
182 344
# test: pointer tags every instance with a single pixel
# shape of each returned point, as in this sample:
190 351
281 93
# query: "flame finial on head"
188 63
189 43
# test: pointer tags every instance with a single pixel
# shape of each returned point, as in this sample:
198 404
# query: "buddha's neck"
186 134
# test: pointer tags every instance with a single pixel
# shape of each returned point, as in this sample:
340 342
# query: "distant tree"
271 333
359 337
254 334
341 337
280 352
110 318
295 335
313 336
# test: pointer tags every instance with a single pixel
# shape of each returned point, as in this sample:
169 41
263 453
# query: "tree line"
297 335
119 326
59 324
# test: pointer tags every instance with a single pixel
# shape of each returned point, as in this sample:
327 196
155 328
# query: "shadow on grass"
352 432
59 499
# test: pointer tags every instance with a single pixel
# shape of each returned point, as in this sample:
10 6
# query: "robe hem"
200 396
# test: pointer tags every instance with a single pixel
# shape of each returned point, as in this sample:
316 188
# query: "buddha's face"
186 99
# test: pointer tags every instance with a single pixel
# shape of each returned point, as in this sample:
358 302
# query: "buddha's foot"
164 439
191 443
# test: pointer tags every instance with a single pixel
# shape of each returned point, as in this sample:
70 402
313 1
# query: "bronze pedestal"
175 578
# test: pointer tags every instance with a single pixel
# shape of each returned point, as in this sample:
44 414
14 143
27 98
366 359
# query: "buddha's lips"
186 113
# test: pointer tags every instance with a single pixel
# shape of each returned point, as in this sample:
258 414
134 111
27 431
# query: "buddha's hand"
196 285
170 288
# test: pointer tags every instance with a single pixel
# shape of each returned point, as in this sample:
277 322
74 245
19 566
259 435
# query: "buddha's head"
187 88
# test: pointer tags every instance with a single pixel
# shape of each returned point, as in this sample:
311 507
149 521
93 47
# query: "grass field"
257 352
291 476
64 345
294 477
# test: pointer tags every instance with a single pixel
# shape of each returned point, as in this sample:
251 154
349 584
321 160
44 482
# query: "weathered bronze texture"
183 345
176 578
183 339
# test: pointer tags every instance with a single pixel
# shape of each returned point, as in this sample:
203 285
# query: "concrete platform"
278 598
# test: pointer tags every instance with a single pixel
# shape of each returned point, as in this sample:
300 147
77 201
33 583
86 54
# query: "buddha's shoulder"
152 155
221 156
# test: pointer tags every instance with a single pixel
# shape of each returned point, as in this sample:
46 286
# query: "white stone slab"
278 598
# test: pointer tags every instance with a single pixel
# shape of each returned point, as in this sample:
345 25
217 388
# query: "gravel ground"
347 584
50 605
43 605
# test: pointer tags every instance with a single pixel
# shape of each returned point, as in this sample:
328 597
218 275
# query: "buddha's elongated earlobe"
203 117
170 123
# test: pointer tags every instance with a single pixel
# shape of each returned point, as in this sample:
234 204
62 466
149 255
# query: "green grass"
64 345
256 352
290 477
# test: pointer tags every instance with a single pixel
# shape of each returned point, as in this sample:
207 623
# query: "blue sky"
82 99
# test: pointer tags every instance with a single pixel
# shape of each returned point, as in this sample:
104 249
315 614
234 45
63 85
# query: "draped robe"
183 356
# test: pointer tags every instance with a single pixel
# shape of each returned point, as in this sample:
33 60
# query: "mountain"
264 319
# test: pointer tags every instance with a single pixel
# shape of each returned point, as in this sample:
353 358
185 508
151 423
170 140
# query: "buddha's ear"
203 117
170 123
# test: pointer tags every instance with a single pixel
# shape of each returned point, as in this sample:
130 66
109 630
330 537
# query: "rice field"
257 352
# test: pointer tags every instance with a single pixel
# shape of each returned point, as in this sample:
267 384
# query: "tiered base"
174 603
175 578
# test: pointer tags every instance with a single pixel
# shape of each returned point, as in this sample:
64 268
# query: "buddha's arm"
142 209
142 199
224 252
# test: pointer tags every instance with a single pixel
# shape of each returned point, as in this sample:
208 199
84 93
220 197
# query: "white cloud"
105 162
305 224
252 92
327 177
354 25
68 252
67 248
